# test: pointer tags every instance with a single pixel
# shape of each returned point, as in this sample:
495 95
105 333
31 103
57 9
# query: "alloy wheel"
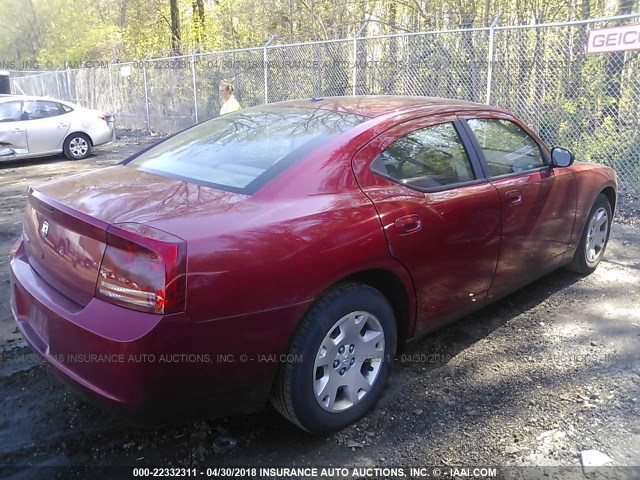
78 147
597 234
348 361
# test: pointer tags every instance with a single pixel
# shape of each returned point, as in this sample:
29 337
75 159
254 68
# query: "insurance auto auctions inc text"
361 472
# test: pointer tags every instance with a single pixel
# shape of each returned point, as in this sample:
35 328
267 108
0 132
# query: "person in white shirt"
230 104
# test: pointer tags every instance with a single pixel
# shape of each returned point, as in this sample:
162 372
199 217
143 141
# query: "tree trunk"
578 35
291 21
471 76
176 38
391 77
486 18
198 13
614 69
122 17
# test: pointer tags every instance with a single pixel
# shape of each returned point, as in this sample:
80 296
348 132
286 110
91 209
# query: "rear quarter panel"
87 121
237 265
253 274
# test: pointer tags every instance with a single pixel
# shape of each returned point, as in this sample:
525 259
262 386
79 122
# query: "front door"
440 217
13 134
538 203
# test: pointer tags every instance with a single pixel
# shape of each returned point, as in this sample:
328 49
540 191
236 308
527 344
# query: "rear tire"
343 353
594 239
77 146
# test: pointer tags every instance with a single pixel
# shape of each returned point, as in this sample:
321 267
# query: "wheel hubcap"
78 146
596 236
348 361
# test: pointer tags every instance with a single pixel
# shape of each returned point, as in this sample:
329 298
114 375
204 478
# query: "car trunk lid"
64 246
78 210
122 194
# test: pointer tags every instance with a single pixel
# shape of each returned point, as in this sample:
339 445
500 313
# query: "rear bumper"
151 368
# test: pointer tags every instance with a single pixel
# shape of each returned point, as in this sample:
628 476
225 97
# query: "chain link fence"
588 103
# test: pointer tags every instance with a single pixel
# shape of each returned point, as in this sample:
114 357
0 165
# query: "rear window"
242 151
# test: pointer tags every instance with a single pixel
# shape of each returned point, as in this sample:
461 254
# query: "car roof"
13 97
7 97
375 105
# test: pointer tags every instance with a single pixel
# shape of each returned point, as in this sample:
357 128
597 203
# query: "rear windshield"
242 151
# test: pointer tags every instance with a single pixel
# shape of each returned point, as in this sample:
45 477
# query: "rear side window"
46 109
241 151
507 148
431 157
38 109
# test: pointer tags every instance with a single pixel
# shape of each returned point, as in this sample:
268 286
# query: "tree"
176 37
614 70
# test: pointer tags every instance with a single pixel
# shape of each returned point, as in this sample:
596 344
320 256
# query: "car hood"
123 194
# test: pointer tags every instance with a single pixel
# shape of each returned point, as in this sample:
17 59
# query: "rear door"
440 216
47 126
538 203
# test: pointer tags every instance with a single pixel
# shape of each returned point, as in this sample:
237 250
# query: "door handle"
18 130
513 197
408 223
62 125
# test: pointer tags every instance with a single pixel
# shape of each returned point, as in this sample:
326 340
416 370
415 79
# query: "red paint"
255 264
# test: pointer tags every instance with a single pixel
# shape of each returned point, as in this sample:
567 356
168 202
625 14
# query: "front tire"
344 351
594 239
77 146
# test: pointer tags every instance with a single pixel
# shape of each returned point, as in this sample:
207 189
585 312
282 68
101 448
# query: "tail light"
143 269
102 117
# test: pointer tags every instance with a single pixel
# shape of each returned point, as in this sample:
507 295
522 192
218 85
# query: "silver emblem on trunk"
44 230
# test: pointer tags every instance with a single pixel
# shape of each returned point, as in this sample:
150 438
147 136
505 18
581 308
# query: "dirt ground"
536 379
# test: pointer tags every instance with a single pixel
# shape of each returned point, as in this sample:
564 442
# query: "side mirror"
561 157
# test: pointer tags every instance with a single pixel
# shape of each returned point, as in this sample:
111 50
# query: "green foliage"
75 30
588 103
609 145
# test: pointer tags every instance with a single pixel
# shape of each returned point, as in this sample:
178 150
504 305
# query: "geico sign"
616 39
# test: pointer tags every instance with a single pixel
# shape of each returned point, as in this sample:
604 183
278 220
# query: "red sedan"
287 251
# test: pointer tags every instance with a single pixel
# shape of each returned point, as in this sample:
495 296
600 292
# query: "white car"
39 126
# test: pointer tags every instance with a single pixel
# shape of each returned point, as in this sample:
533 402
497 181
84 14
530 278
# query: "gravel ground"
534 379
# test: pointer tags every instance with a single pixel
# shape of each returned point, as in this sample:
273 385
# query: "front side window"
243 150
10 111
431 157
507 148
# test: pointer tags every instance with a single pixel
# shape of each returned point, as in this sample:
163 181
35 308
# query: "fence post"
146 93
354 77
264 67
16 86
70 98
58 84
490 56
195 88
113 97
